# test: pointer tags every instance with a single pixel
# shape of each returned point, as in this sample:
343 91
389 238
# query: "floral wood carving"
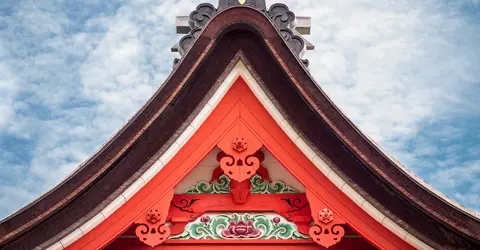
239 146
151 228
241 229
328 229
186 208
220 185
260 185
245 226
325 216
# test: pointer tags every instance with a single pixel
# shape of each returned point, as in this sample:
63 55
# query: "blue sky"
72 72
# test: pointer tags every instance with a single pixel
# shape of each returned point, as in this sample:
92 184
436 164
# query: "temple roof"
264 41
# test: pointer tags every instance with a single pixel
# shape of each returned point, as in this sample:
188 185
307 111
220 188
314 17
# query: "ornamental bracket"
328 228
151 228
240 146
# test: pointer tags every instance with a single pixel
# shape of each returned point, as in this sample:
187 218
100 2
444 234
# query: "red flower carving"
153 216
325 216
205 219
276 220
241 229
239 144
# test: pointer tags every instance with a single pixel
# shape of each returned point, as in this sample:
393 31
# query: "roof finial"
291 27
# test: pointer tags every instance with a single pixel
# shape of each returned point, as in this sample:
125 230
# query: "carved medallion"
325 216
153 216
240 145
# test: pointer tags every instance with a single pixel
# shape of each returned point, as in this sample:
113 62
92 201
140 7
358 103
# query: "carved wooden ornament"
151 228
240 145
328 228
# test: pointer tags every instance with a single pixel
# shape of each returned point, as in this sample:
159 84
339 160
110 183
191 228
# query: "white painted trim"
238 70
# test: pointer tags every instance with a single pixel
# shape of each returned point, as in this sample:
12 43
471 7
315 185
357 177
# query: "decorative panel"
240 226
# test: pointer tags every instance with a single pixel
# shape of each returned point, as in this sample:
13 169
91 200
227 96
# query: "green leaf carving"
203 187
257 186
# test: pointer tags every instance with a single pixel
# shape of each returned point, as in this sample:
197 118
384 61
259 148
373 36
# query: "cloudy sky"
72 72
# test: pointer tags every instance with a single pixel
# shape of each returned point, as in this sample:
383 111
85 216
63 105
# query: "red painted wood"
255 203
293 207
346 244
240 105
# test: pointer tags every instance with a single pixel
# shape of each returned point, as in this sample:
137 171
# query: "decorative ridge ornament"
200 17
279 13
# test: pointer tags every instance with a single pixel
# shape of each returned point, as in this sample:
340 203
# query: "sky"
72 72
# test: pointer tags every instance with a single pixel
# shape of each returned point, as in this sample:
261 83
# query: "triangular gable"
245 104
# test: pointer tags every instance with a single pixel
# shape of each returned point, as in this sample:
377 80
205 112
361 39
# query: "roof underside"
283 76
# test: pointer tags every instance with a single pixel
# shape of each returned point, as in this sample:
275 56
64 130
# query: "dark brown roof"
285 78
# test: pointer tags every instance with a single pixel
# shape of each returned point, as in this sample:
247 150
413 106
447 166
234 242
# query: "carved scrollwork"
240 159
327 236
238 167
295 204
185 205
281 15
152 235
